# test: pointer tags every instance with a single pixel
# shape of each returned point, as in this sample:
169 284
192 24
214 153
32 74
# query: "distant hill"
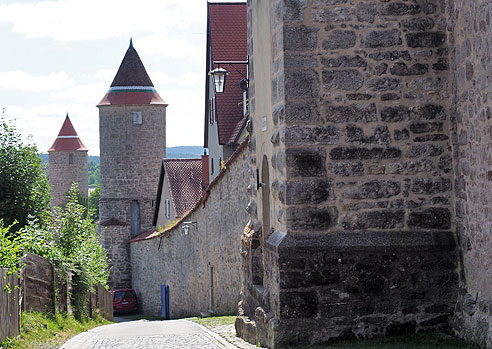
171 152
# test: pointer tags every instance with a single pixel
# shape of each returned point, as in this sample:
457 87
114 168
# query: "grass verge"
214 321
43 330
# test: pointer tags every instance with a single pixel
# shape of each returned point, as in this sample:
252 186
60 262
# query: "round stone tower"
132 131
67 163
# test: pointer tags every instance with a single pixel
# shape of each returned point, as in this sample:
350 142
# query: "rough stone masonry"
351 135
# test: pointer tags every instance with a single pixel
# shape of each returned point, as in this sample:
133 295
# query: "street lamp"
219 76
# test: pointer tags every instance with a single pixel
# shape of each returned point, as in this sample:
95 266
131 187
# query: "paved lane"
172 334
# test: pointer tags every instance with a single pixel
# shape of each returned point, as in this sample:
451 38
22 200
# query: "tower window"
70 159
137 117
135 218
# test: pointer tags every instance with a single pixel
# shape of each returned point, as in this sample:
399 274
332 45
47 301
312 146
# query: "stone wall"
471 67
63 174
208 255
131 158
360 162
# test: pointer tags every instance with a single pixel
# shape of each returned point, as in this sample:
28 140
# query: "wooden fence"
35 291
10 304
101 300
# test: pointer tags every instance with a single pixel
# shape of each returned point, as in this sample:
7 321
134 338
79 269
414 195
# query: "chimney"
205 174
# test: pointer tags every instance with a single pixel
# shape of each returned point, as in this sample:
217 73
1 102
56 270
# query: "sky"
60 56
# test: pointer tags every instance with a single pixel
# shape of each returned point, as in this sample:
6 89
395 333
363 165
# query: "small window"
137 118
212 163
211 108
168 208
70 159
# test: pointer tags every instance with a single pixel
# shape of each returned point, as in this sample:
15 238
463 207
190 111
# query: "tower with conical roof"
67 164
132 131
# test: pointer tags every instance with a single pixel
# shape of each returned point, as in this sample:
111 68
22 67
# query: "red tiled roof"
228 39
132 84
184 178
153 233
68 139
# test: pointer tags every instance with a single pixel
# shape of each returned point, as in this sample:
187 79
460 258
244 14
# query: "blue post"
163 302
168 303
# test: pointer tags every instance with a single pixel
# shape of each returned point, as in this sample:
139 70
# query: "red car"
124 300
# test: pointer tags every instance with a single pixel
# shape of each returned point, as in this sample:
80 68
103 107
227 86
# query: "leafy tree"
68 239
24 188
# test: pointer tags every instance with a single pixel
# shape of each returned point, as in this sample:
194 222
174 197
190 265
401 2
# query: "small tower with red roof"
132 131
67 163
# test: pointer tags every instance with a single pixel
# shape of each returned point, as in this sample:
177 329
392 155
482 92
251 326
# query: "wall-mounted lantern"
219 75
186 227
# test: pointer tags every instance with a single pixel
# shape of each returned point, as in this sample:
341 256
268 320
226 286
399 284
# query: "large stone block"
311 191
301 83
351 113
306 219
381 219
425 39
306 162
347 80
377 189
432 218
383 38
299 135
300 38
353 153
339 39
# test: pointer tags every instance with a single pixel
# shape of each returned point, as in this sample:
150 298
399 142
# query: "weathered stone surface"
390 56
418 23
371 190
339 39
352 153
402 113
441 64
347 80
399 9
380 69
425 39
298 60
432 218
300 112
311 218
366 12
383 38
312 191
356 135
355 61
294 9
411 167
384 84
351 113
390 96
424 127
301 83
429 186
298 304
401 69
300 38
401 134
336 14
427 150
329 2
297 135
381 219
431 138
359 96
346 169
307 162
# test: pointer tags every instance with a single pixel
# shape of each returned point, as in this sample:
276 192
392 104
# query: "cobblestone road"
172 334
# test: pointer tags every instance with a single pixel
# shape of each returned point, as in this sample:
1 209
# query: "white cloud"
44 122
73 20
21 80
163 45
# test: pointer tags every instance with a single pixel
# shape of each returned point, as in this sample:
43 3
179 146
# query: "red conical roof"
68 139
132 84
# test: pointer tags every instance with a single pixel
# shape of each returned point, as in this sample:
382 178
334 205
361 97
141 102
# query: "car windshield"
120 295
